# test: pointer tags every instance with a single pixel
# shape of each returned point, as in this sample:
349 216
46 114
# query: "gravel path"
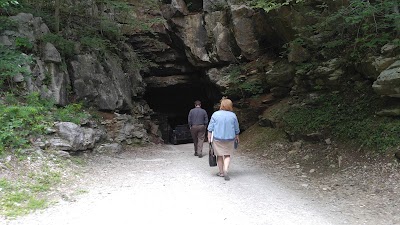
166 184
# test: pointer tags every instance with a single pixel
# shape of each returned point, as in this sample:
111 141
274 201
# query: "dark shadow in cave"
172 104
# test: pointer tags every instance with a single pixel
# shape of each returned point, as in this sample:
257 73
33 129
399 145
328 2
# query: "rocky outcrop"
104 85
126 130
29 27
244 31
162 82
220 77
111 83
226 34
193 34
388 82
72 137
223 47
47 75
374 65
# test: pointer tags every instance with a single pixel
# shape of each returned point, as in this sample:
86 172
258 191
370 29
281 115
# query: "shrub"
353 31
23 44
65 46
71 113
242 86
25 118
7 24
12 62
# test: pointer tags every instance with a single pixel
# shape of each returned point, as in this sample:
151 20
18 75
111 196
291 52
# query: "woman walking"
224 127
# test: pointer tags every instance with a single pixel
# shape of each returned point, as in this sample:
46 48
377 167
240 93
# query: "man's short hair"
197 103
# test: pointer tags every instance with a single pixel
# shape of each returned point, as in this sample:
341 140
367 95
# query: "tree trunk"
57 15
397 22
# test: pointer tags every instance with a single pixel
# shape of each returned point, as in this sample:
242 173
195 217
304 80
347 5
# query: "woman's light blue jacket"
224 125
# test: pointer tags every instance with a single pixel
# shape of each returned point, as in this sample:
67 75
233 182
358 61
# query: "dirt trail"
166 184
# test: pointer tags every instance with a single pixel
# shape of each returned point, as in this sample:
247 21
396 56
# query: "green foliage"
65 46
8 3
352 31
269 5
44 181
21 197
110 30
242 86
348 118
12 62
23 44
94 43
20 203
7 24
71 113
30 116
20 122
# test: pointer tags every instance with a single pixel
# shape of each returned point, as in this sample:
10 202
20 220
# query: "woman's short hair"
226 104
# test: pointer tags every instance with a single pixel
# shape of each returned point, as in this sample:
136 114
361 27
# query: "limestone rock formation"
72 137
48 77
105 85
388 82
374 65
244 30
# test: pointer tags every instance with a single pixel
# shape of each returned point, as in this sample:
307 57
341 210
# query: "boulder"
390 49
220 77
389 112
388 82
371 67
51 54
76 138
4 40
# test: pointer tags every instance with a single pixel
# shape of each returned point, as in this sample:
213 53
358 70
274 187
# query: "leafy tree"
356 29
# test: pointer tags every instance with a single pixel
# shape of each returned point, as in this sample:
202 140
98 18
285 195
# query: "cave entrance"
172 103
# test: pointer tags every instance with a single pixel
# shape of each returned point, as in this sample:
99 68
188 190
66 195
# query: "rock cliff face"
194 51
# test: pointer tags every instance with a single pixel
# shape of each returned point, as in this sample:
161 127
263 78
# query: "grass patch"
20 203
349 116
17 200
27 193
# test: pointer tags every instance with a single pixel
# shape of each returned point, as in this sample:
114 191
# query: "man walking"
198 120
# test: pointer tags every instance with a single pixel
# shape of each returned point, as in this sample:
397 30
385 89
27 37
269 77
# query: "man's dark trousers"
198 133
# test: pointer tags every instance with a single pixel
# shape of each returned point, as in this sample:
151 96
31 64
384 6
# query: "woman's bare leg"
227 160
220 162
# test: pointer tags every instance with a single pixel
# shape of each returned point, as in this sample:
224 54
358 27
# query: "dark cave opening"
171 104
